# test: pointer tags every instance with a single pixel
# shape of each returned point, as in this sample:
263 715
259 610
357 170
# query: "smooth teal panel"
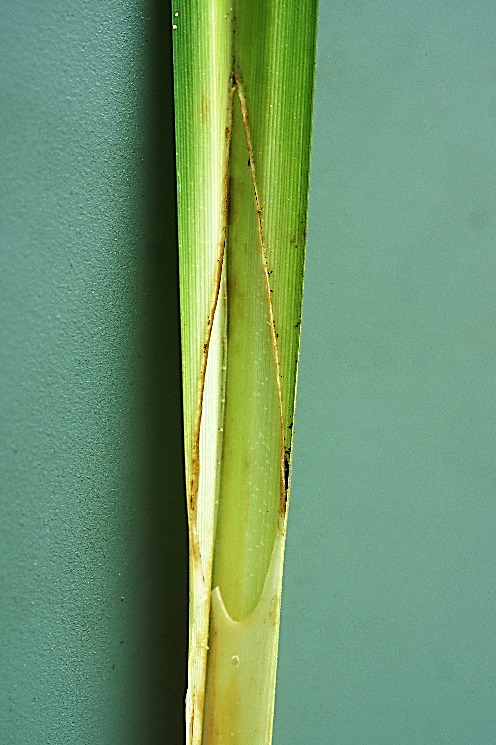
389 610
92 614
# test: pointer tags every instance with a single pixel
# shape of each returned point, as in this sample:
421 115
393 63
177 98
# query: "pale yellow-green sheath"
243 99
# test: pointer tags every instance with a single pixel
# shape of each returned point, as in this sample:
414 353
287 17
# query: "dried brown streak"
195 458
251 164
191 723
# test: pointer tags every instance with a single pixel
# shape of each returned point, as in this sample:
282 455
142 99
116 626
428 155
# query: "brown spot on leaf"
274 610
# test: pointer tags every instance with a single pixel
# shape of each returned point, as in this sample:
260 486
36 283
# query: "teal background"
389 607
92 611
388 628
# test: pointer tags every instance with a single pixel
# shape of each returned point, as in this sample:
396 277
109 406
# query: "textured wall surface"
92 618
389 611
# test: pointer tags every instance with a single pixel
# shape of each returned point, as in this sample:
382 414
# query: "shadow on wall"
93 549
167 569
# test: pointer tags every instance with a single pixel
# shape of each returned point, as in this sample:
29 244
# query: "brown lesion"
192 721
284 463
275 606
195 458
236 89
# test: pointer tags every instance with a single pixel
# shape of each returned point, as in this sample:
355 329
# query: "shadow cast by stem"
167 568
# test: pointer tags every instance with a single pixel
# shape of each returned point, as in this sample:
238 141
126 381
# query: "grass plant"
243 101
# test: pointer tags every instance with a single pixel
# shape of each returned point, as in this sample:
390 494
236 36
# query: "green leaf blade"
275 59
202 71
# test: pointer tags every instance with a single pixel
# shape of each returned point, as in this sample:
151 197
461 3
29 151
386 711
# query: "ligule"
243 94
